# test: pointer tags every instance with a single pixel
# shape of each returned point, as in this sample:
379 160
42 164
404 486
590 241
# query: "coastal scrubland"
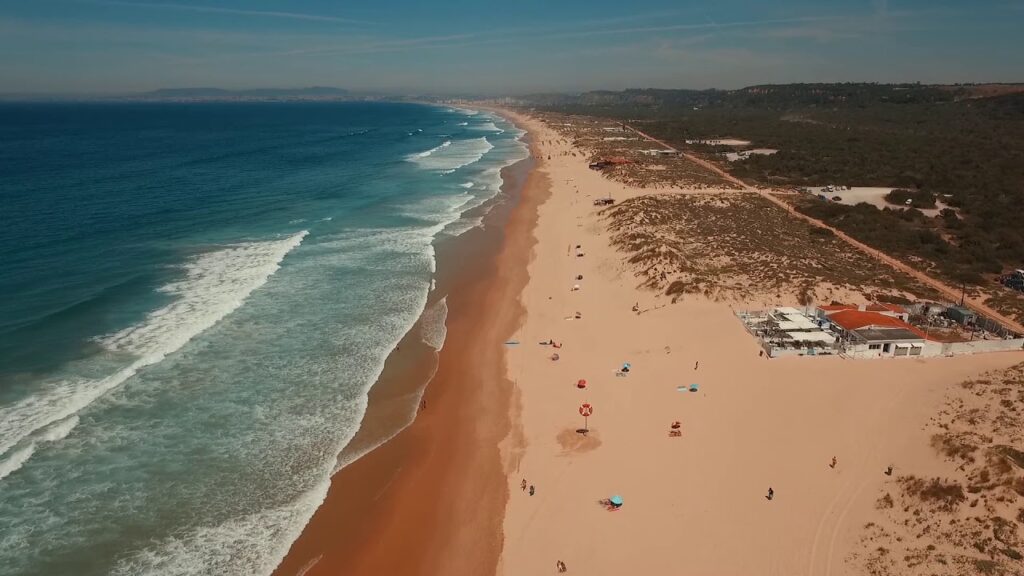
963 145
738 245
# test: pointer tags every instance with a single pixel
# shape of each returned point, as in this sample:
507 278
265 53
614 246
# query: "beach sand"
696 503
430 500
444 496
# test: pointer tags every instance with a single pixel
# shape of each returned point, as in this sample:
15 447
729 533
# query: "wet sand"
430 500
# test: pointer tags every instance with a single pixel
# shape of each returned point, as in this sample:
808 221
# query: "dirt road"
948 291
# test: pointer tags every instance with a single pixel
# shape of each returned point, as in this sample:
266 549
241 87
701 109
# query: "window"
874 346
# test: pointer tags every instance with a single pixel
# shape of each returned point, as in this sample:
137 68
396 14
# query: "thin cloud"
232 11
505 36
700 26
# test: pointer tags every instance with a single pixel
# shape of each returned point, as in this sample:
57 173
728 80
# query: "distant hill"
311 93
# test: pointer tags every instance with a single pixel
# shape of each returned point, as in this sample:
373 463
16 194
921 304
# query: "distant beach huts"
659 152
609 162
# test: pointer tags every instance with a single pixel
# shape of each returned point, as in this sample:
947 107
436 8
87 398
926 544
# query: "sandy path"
948 291
694 504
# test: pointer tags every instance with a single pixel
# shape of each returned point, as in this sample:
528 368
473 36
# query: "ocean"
194 302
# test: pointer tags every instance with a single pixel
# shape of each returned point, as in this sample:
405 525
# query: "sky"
489 47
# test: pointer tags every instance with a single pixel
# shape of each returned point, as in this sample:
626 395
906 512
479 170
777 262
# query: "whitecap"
453 155
214 285
251 544
426 153
16 460
488 126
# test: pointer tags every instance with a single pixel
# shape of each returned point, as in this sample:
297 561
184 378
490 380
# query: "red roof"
856 319
886 307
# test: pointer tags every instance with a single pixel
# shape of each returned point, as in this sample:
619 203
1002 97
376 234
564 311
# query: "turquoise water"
194 301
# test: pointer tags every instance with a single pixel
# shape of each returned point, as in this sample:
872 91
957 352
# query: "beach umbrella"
693 387
616 500
581 384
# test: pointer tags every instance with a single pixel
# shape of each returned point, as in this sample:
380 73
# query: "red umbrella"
581 384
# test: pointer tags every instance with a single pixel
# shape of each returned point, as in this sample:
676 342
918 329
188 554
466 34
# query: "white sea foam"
462 123
467 184
455 155
252 544
59 430
488 126
17 457
433 330
16 460
426 153
215 284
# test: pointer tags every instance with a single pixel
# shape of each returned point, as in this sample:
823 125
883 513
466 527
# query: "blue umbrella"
616 500
693 387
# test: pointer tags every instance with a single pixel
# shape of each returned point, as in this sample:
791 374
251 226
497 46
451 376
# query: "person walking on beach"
523 485
560 566
531 489
834 462
696 364
771 493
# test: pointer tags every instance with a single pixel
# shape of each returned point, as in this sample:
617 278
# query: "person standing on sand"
697 363
560 566
771 493
523 485
531 489
834 462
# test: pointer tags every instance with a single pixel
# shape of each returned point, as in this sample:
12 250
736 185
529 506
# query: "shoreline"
376 504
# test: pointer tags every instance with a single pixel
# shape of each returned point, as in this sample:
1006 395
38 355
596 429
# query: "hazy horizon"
84 47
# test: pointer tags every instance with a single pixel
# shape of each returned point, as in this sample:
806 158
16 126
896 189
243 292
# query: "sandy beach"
447 491
694 503
435 492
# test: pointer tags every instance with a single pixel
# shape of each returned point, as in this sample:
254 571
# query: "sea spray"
215 284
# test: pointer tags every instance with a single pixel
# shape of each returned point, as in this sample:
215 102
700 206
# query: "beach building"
788 331
870 334
878 330
893 310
